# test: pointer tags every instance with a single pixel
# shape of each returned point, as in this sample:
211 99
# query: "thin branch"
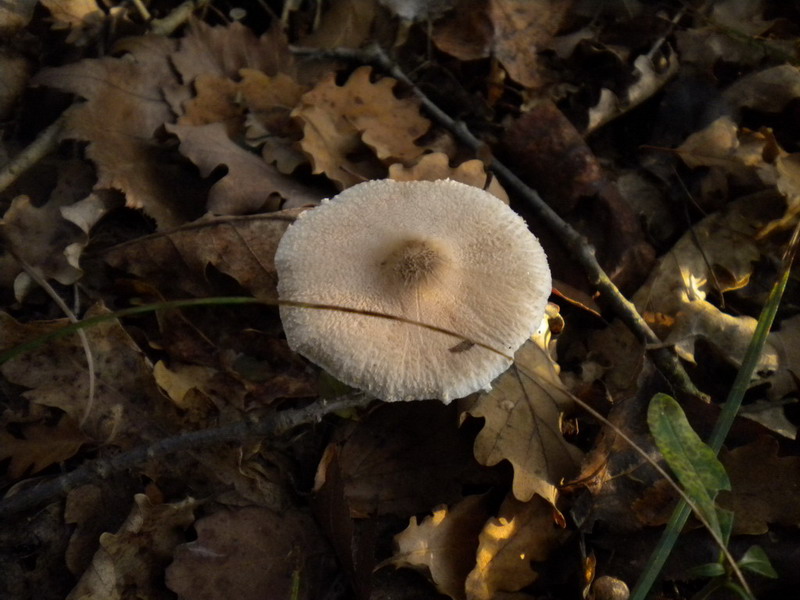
274 424
34 274
42 146
579 247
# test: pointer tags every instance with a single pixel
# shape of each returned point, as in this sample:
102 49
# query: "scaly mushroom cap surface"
437 252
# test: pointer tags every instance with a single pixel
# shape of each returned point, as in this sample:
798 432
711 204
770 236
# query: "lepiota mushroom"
436 252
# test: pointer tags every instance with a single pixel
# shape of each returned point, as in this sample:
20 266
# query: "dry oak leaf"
338 121
127 403
130 563
223 51
346 24
718 253
124 108
443 544
765 487
39 445
268 122
82 17
522 532
43 239
242 247
740 153
523 413
251 554
436 165
250 185
216 100
521 29
750 158
51 238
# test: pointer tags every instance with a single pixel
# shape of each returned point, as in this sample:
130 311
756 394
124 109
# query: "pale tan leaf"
523 413
521 533
443 544
436 165
131 561
718 254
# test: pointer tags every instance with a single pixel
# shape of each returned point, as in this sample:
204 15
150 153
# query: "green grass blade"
728 414
126 312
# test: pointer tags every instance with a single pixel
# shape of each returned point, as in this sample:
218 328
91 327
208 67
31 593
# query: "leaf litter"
667 139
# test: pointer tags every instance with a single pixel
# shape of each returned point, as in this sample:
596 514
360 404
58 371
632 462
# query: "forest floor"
160 439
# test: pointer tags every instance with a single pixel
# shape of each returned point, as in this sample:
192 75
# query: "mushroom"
440 253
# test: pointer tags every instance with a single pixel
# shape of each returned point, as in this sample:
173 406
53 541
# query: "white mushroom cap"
437 252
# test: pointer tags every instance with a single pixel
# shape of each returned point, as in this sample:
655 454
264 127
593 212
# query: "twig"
34 274
665 360
274 424
42 146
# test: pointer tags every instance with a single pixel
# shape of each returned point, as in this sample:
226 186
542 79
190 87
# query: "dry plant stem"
87 350
179 15
274 424
42 146
665 360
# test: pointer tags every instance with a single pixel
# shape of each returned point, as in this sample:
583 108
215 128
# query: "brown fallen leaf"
268 122
16 16
132 560
250 185
465 32
39 445
521 533
436 165
552 156
443 545
121 142
404 458
241 247
346 24
15 71
523 413
359 116
127 403
82 18
252 553
224 50
673 300
90 510
50 238
764 487
216 100
352 538
521 29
